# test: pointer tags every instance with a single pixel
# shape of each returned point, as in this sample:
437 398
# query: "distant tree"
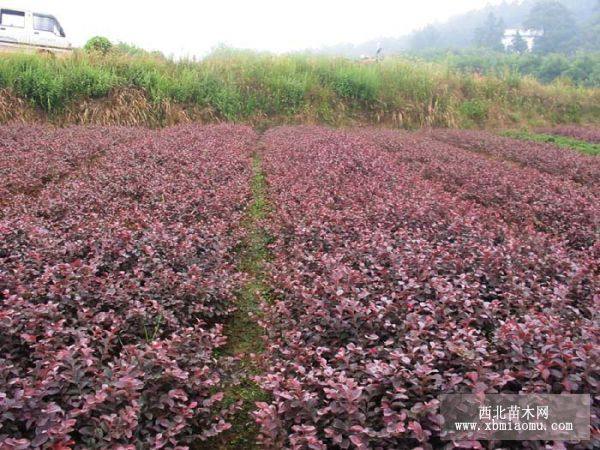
134 50
98 44
553 67
582 68
590 36
427 38
519 44
490 34
557 23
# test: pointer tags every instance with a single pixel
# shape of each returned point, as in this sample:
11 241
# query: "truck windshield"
47 23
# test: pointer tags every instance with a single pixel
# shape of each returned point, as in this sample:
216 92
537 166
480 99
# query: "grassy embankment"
265 89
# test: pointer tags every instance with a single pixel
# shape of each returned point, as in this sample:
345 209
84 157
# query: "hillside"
458 32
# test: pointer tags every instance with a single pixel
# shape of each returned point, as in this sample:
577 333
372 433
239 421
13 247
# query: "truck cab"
21 29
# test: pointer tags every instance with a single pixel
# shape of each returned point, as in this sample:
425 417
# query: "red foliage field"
583 133
402 266
406 268
115 283
546 158
31 156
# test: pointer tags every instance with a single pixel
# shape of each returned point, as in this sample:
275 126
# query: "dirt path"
244 335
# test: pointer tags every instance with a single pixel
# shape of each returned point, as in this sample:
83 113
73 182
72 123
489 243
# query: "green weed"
562 141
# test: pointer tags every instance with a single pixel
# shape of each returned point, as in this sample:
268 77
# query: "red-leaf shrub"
32 156
114 284
396 281
404 267
583 133
518 195
547 158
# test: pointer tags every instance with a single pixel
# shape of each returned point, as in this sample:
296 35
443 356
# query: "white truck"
22 30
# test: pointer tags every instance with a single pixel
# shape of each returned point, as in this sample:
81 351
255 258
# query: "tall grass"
253 87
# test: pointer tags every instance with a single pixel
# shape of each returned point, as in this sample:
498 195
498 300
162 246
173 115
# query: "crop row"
583 133
32 156
521 196
114 286
547 158
391 289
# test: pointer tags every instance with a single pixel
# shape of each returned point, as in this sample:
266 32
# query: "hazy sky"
186 28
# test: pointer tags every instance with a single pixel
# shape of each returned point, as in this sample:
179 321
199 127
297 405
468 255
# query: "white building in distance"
529 36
